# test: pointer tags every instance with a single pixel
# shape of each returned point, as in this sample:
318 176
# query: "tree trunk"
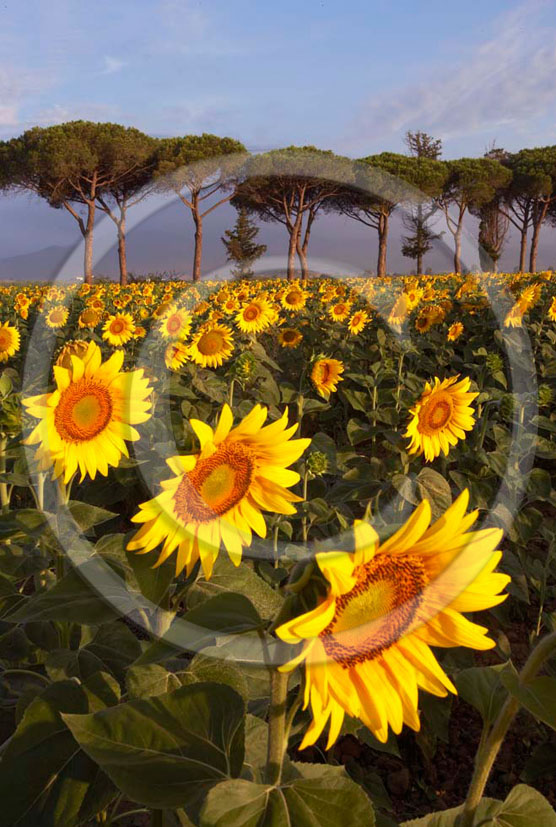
197 218
88 250
523 249
122 256
537 224
292 247
419 264
457 250
303 261
382 245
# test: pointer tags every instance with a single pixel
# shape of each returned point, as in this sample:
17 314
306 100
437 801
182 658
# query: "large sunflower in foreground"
84 423
366 646
216 496
440 417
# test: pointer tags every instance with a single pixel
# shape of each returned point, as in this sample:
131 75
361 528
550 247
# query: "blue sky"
349 75
352 76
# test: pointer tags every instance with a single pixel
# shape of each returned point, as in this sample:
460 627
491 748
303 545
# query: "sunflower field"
279 552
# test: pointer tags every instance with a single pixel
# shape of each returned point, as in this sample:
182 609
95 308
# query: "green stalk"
304 519
231 394
276 726
157 818
4 496
399 388
486 754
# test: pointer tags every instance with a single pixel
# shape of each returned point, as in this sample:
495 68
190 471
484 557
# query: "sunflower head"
212 345
57 316
75 347
85 422
289 337
441 417
366 644
118 329
216 496
326 374
9 341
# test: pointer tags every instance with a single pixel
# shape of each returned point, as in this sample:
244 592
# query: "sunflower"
9 341
75 347
88 318
552 310
399 311
255 316
366 646
358 321
216 496
211 346
118 329
294 298
440 417
176 355
57 316
514 316
454 331
84 423
176 324
289 337
339 311
325 375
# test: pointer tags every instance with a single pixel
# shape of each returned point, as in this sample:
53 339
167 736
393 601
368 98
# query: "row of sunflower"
309 547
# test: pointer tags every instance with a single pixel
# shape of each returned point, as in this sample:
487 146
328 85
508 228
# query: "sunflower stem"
399 388
276 726
157 818
4 496
304 528
486 754
231 394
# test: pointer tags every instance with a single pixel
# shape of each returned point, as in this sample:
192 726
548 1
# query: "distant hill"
37 266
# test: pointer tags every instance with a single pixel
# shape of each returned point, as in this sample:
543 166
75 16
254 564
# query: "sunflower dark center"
215 485
376 612
84 410
210 343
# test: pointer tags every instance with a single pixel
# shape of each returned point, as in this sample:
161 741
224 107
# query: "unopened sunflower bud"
494 363
317 463
244 367
507 406
546 395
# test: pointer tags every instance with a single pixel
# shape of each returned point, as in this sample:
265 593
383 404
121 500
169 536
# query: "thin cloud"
505 81
112 65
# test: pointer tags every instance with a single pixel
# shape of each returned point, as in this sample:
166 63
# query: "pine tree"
240 245
420 241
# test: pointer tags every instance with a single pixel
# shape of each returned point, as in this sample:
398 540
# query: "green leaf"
70 599
537 696
524 807
227 612
150 680
46 779
229 578
86 516
319 795
480 686
112 649
218 670
153 583
169 750
102 690
433 487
